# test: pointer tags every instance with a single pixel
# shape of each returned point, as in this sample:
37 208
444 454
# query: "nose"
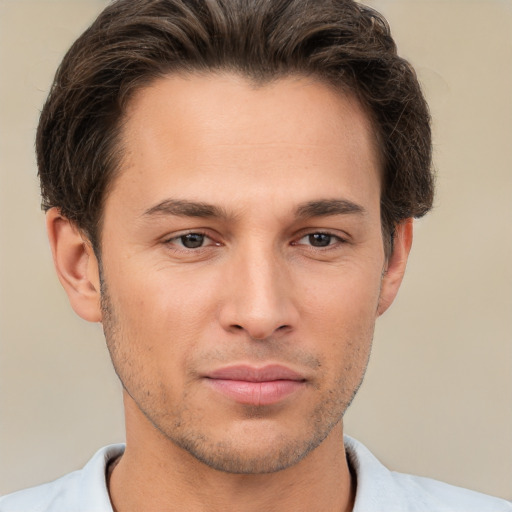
258 295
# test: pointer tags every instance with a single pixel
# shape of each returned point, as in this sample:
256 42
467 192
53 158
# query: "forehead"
257 112
188 134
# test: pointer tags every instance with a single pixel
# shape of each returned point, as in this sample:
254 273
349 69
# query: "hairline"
143 83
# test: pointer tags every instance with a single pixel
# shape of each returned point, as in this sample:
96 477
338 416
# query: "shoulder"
382 490
84 490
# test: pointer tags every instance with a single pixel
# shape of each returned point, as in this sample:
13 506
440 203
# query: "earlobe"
396 264
76 265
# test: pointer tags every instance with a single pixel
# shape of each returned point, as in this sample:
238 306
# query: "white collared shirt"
378 489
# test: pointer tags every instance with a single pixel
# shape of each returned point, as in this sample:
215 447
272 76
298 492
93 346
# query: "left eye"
191 240
319 239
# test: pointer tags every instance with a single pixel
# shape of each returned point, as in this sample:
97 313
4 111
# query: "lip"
256 386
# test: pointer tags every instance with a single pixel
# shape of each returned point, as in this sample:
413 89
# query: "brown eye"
192 240
319 239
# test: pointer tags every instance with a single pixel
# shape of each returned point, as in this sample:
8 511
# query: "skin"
280 167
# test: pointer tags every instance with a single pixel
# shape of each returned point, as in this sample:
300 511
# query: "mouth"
256 386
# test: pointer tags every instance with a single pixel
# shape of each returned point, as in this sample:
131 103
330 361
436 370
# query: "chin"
257 451
248 460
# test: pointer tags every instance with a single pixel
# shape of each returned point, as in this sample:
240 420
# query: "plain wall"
437 399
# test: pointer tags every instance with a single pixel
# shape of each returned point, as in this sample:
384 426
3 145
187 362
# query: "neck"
155 474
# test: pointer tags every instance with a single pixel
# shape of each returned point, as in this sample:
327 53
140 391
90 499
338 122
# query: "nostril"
280 328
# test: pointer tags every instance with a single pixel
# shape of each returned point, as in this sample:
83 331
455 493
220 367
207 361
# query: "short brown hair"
133 42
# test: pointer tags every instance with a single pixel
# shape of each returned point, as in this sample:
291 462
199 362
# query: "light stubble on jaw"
180 426
226 457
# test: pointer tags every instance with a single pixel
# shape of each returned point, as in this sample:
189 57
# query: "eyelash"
174 241
338 240
171 241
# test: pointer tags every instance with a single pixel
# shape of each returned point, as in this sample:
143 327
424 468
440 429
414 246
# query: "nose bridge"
259 295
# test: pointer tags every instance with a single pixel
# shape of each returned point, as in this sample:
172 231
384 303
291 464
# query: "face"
242 263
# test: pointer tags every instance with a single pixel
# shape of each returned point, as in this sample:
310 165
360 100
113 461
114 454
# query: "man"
229 190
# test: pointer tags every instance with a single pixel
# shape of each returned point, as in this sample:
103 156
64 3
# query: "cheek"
346 295
162 312
339 313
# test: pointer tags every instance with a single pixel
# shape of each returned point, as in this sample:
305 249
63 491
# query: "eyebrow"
319 208
183 208
325 207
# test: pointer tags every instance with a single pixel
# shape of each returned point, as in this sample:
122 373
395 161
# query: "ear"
76 265
395 266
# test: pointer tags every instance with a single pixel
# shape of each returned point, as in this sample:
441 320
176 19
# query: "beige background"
437 400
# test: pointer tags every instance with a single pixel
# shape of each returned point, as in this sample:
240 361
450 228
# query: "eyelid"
198 231
341 238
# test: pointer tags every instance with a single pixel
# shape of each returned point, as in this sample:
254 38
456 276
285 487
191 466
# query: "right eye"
190 240
190 243
319 239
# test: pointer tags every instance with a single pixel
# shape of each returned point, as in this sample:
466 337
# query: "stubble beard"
182 426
